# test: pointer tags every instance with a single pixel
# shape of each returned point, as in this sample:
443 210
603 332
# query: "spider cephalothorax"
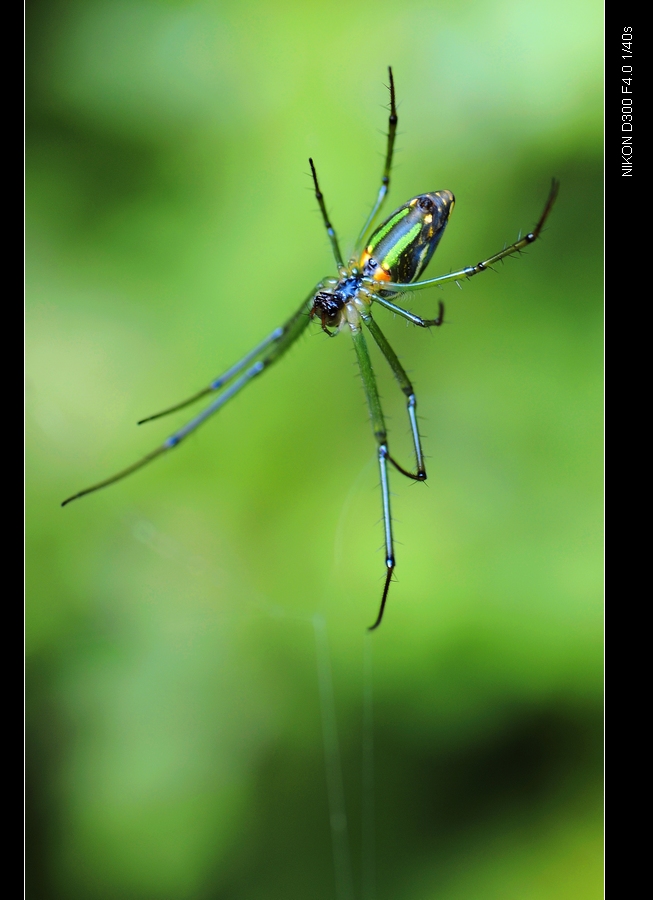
328 305
398 250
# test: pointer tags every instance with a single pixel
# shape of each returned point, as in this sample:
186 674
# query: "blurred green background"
175 741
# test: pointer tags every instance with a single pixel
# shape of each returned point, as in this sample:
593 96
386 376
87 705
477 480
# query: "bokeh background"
191 630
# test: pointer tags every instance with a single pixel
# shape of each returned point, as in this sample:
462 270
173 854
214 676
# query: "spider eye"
426 204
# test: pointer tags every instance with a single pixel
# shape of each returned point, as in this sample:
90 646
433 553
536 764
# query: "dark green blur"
175 745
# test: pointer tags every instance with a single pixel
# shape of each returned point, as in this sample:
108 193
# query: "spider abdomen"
401 247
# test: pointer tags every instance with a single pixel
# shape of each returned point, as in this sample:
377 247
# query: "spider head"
328 306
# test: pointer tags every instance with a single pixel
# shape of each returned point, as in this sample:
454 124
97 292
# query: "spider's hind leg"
470 271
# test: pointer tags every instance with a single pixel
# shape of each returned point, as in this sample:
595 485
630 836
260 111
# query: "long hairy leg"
411 405
276 345
330 230
484 265
378 424
385 179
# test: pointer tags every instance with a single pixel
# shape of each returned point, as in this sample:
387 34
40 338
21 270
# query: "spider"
384 265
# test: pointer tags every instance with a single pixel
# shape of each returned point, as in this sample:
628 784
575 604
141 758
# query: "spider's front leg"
228 385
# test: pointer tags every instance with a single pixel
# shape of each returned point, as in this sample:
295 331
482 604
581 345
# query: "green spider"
382 266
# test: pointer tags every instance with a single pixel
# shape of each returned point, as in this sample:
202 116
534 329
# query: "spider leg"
279 341
416 320
223 379
378 423
407 388
385 180
319 196
485 264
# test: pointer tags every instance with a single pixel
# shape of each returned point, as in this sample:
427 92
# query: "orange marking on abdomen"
380 274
